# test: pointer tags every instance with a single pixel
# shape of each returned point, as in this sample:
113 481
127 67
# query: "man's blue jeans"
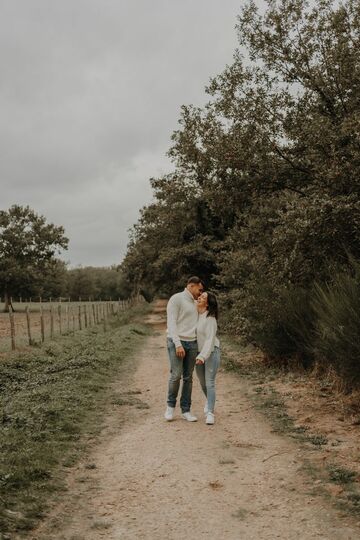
181 367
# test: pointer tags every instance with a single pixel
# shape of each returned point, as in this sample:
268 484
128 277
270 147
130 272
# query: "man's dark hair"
195 279
213 310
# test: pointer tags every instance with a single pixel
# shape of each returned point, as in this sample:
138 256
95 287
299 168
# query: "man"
182 318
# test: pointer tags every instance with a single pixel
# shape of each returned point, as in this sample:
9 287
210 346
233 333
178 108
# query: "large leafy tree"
176 236
28 245
273 159
278 148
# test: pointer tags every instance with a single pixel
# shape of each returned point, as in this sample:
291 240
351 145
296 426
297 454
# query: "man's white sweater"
182 318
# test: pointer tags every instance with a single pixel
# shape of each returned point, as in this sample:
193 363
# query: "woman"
208 359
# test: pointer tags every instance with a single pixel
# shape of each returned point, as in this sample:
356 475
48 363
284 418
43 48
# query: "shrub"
280 322
337 332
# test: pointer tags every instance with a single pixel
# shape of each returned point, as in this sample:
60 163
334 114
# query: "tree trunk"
7 302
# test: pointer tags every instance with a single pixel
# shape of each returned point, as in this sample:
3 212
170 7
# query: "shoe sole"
189 420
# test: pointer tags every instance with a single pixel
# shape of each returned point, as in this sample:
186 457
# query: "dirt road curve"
169 481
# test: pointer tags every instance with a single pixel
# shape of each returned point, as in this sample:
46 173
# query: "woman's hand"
199 361
180 352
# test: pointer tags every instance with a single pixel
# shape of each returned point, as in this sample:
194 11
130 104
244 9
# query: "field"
58 318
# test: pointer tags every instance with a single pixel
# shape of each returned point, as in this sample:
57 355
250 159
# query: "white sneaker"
206 408
169 413
210 419
189 417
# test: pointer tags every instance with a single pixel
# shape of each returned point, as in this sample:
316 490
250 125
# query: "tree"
176 236
81 283
54 281
265 196
27 249
97 283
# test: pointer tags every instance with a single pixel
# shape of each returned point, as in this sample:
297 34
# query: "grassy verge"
52 401
338 484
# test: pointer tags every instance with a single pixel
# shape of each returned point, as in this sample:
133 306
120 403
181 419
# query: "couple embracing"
191 341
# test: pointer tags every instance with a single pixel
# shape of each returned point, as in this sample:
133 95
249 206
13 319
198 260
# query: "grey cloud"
89 95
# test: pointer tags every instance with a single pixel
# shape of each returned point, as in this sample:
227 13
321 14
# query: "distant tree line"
264 199
96 283
30 268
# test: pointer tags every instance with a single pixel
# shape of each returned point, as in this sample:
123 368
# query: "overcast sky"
90 93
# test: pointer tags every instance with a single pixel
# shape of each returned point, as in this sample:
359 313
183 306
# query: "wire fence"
32 323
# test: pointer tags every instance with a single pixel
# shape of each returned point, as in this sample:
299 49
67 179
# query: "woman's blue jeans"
206 374
181 368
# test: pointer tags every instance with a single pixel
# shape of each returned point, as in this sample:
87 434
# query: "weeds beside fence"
30 324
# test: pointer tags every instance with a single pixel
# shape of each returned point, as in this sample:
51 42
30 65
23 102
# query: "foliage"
27 249
264 198
337 310
96 283
279 321
175 237
29 267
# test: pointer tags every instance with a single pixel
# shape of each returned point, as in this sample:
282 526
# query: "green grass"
241 514
270 403
340 475
52 400
349 499
226 461
266 398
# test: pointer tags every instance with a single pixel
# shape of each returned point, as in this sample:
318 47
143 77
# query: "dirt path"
166 481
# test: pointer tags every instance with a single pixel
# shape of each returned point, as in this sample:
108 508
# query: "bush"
321 323
337 332
279 322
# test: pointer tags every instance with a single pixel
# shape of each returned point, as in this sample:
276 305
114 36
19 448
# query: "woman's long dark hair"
213 310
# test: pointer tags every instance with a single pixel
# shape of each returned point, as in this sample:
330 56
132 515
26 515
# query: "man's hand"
180 352
199 361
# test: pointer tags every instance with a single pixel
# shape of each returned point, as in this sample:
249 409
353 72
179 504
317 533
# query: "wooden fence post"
51 322
12 328
105 324
79 316
93 313
68 319
60 321
42 325
28 324
105 316
85 316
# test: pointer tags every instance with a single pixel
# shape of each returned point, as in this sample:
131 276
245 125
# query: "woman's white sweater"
206 335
